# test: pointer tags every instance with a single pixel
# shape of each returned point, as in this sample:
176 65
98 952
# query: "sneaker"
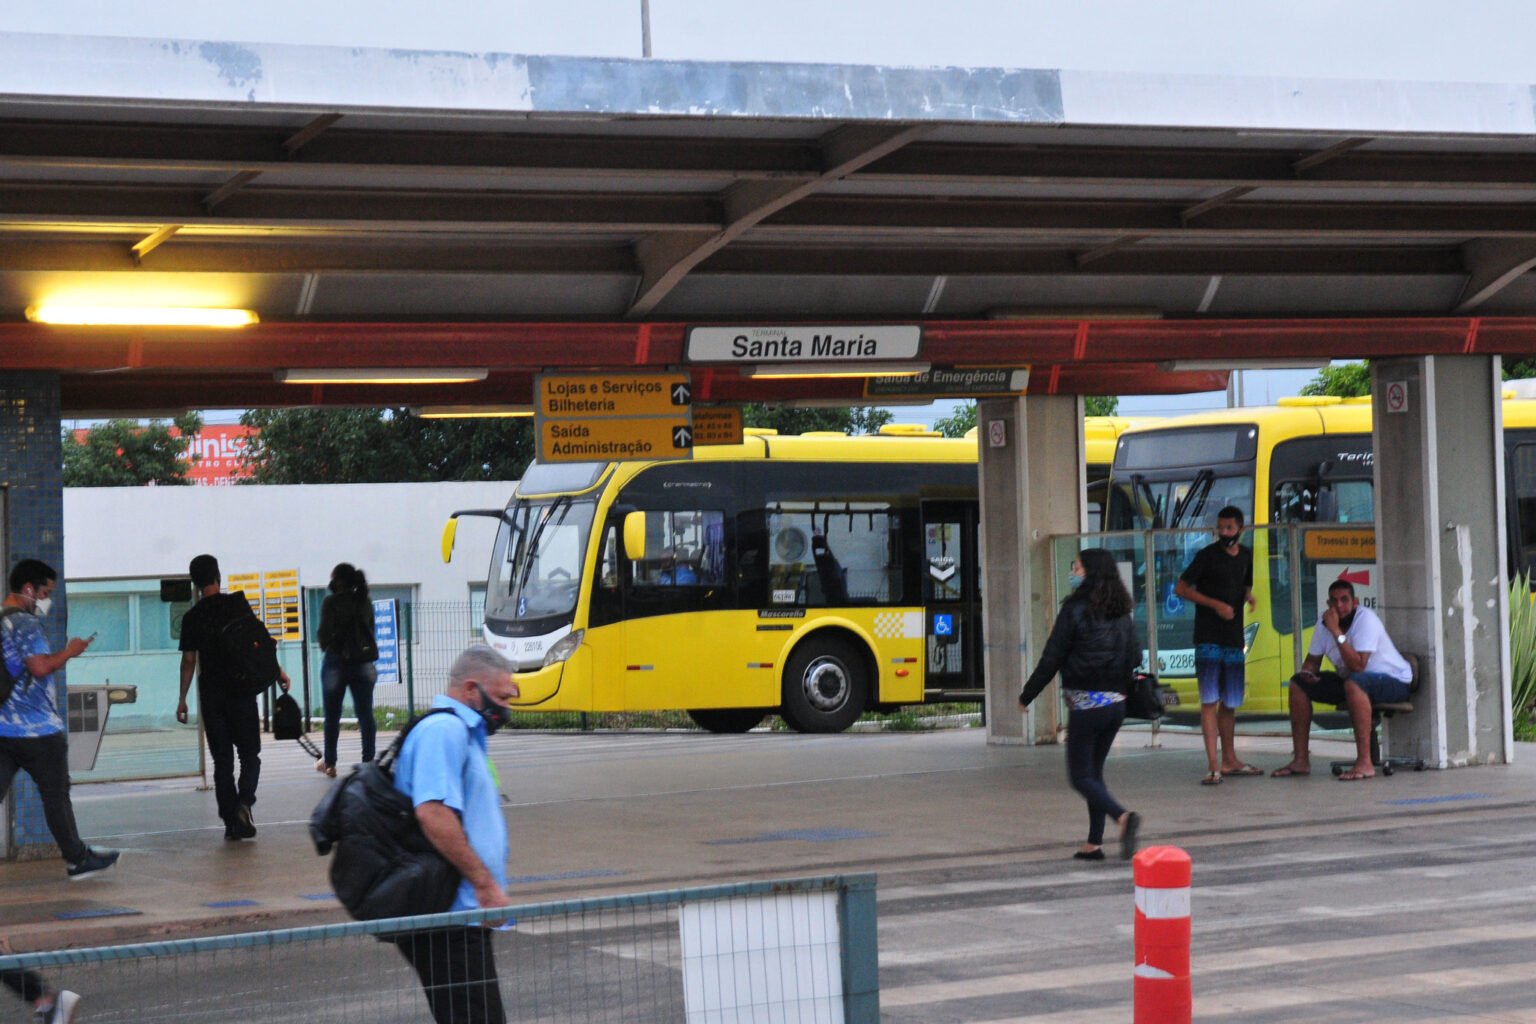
95 862
244 825
230 835
61 1012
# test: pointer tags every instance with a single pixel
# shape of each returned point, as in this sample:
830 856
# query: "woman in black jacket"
346 637
1093 645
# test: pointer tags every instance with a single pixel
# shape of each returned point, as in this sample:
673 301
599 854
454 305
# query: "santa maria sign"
804 344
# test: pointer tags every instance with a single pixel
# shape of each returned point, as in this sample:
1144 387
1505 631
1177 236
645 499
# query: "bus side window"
1524 481
607 601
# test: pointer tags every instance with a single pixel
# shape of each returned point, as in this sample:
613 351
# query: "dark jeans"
46 759
457 967
232 724
1089 736
27 984
339 677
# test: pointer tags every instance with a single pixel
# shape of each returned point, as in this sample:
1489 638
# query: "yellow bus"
814 576
1305 460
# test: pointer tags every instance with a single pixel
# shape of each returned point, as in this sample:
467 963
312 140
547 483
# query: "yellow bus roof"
1311 415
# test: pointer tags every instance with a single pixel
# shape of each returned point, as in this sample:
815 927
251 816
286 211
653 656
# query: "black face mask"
494 715
1230 543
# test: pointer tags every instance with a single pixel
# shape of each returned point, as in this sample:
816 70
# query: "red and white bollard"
1162 993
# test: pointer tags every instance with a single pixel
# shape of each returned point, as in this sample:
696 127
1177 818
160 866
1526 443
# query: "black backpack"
247 650
7 681
384 865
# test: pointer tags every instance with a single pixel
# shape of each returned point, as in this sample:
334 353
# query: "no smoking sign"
1397 396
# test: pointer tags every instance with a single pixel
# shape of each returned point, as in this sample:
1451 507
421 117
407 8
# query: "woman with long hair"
1093 645
346 637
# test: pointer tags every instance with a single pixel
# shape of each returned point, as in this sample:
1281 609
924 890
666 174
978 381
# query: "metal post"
408 637
1149 586
645 28
304 651
860 950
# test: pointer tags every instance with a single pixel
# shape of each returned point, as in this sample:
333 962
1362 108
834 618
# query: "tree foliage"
957 423
357 446
1347 380
855 420
1100 405
127 453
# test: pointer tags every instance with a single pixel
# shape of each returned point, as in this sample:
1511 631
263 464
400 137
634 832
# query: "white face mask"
41 607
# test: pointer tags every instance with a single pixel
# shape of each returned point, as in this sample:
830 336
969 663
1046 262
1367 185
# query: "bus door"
951 598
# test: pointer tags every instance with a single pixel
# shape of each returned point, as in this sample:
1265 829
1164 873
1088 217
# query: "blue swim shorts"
1220 672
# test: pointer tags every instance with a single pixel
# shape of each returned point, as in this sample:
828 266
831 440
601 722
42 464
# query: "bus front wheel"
727 719
826 685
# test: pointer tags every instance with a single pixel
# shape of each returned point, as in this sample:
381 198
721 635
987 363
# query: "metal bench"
1388 765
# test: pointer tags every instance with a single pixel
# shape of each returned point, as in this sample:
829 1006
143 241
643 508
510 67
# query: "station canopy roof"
515 213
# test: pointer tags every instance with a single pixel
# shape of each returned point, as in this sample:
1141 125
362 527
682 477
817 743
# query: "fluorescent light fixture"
467 412
1273 363
790 371
139 316
382 375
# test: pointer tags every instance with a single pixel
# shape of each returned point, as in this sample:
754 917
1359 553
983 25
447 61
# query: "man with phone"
32 736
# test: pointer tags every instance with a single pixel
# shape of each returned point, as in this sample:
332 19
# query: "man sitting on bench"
1355 642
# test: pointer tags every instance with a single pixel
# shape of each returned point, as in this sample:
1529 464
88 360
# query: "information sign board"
386 633
717 424
616 440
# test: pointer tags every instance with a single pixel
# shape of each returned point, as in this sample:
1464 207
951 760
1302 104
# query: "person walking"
1093 646
32 736
49 1005
445 772
231 720
1219 581
346 637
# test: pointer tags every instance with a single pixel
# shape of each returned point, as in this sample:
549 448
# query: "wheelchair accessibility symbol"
943 625
1172 602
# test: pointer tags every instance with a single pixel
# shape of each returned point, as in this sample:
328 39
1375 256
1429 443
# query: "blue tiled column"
32 473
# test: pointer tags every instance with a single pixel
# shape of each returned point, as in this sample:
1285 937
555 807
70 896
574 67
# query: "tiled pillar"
32 479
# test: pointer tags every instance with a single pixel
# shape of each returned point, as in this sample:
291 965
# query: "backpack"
7 681
248 652
288 723
384 865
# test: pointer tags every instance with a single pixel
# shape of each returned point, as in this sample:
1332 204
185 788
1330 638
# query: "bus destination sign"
804 344
939 382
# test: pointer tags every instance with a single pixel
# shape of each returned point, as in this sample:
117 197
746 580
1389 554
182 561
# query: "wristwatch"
1342 638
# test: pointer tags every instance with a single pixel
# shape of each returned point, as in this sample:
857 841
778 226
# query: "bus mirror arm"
451 527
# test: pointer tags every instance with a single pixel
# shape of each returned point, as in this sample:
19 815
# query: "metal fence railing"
801 950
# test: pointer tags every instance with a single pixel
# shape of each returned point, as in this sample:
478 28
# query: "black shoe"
1088 855
95 862
230 835
244 825
1128 837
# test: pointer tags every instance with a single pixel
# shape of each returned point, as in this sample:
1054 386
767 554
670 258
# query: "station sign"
1339 545
584 395
848 343
972 382
625 439
274 597
717 424
613 417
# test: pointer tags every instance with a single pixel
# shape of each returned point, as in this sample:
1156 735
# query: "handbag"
1144 700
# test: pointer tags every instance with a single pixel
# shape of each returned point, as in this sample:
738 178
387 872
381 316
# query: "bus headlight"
564 648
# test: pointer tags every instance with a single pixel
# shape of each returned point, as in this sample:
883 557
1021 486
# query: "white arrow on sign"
682 437
681 393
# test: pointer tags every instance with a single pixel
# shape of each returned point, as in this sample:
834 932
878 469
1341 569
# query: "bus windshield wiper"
1139 486
534 537
1198 491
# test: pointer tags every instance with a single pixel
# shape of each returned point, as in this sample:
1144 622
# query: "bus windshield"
1143 501
537 562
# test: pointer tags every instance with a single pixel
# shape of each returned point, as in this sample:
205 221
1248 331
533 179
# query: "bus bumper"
537 687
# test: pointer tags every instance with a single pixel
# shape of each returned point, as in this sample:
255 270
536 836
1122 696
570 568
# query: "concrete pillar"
32 476
1032 487
1441 550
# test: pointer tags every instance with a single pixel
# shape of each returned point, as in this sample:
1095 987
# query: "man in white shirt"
1370 671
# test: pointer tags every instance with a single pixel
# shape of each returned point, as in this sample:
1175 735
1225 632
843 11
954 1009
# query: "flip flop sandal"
1247 769
1355 777
1287 772
1212 779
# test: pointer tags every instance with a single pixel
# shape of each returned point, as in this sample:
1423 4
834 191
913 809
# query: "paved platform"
971 844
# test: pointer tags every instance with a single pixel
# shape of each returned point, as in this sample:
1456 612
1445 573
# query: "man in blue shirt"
445 771
32 737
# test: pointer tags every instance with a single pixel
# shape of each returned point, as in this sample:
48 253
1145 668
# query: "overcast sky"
1476 40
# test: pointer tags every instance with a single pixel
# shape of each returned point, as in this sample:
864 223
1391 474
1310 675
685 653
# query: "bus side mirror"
450 531
634 536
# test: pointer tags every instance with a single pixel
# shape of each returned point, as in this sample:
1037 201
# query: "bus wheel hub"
826 684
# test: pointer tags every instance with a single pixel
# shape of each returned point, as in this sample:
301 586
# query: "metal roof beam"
663 265
1493 265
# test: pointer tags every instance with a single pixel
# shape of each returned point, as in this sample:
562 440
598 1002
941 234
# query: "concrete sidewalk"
631 812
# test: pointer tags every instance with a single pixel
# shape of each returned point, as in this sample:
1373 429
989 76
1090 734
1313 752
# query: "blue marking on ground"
805 835
1448 798
76 915
317 895
226 904
561 876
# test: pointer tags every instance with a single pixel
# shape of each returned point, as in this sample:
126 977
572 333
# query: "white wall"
390 531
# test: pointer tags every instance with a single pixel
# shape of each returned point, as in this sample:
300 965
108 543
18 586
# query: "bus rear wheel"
826 685
727 719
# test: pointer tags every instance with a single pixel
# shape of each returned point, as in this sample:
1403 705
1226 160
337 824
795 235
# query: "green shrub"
1522 650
